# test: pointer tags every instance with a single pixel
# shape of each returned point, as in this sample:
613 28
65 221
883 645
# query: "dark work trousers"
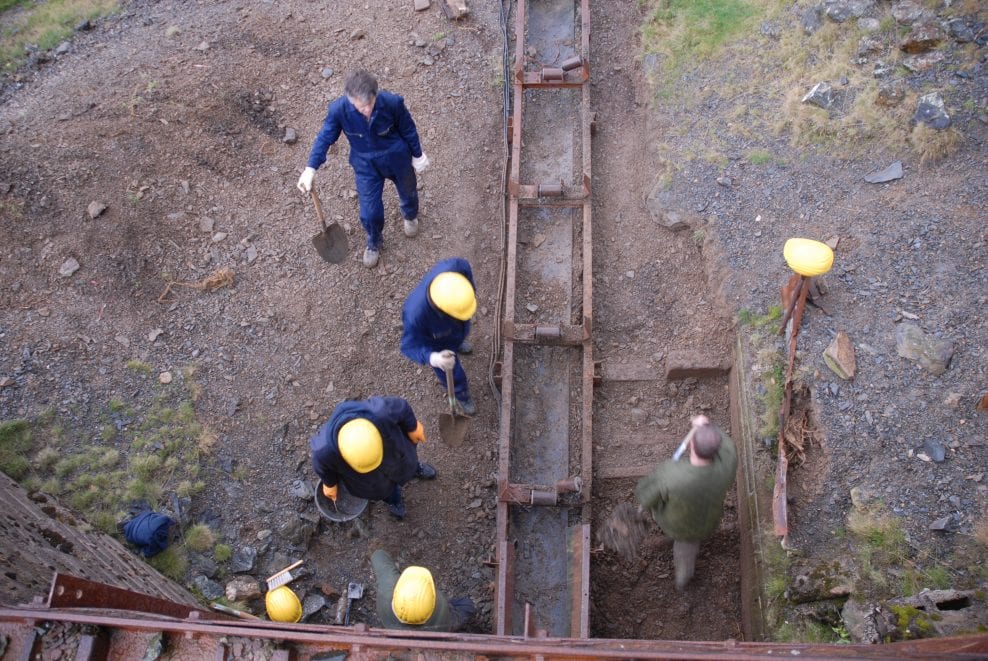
370 172
395 497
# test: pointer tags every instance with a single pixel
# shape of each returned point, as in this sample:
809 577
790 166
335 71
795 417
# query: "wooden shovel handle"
450 392
318 205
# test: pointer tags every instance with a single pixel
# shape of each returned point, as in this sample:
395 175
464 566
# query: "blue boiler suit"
426 328
380 148
394 418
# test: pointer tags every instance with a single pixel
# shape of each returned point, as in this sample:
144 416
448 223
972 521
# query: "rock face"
923 37
890 94
243 588
907 12
841 10
932 354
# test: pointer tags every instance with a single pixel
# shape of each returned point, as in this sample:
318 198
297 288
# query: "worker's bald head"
706 441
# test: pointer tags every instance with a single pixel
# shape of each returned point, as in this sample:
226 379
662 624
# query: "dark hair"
360 85
706 441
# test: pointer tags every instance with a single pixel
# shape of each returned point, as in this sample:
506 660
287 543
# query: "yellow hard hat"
414 597
283 605
361 445
453 294
808 257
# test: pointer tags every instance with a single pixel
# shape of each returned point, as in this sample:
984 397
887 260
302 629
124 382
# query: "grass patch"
222 552
44 24
755 320
172 562
759 157
932 145
15 442
880 547
199 537
684 31
139 366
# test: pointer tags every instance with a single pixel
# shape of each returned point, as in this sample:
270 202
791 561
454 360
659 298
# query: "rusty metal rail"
22 627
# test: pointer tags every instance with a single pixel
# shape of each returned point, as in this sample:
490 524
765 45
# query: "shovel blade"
452 429
331 244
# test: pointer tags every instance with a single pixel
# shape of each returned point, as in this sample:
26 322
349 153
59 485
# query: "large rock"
891 173
810 20
243 588
890 93
859 619
930 110
243 560
923 37
932 354
960 30
659 205
209 589
841 10
839 356
923 61
821 95
908 12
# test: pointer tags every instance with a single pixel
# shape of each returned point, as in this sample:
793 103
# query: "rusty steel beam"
74 592
316 638
545 334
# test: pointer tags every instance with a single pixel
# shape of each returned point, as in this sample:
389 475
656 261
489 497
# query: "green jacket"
387 575
686 500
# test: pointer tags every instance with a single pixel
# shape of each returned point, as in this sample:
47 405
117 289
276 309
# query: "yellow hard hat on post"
452 293
360 445
414 598
283 605
808 257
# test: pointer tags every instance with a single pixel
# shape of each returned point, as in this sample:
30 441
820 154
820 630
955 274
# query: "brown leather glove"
418 434
329 492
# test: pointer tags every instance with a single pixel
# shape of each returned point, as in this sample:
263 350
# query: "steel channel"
375 641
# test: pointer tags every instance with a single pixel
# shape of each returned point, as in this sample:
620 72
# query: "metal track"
547 368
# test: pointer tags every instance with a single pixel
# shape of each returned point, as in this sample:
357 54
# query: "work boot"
425 472
467 406
466 347
397 510
411 227
370 257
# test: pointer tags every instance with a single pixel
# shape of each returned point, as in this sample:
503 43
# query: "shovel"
354 591
452 428
331 243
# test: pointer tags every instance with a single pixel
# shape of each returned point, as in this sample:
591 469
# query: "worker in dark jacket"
411 600
384 144
435 323
686 498
370 446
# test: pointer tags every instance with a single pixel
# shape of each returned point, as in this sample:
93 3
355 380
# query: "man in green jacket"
686 498
411 600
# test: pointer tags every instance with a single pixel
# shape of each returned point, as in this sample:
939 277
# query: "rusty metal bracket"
545 334
532 494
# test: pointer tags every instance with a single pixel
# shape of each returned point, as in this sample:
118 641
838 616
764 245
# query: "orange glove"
329 492
418 435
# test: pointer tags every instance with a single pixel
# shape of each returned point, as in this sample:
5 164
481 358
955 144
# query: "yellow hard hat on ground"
808 257
452 293
283 605
361 445
414 598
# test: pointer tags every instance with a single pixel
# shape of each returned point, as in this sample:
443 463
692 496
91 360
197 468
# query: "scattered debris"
220 278
839 356
623 531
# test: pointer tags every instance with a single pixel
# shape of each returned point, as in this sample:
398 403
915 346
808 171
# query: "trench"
578 429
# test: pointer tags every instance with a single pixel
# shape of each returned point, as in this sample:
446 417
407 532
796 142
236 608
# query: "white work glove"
421 163
442 360
305 181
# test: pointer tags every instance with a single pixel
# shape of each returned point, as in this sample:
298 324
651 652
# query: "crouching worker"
370 446
411 600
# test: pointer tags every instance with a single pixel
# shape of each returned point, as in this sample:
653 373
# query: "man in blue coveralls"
371 446
384 144
435 323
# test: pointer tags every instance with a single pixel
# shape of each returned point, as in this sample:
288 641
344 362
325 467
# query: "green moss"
138 366
759 157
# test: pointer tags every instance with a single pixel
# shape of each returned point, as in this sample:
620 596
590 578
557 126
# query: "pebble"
327 72
96 209
219 236
165 378
68 267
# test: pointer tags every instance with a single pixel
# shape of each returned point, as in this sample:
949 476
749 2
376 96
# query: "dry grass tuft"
932 145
